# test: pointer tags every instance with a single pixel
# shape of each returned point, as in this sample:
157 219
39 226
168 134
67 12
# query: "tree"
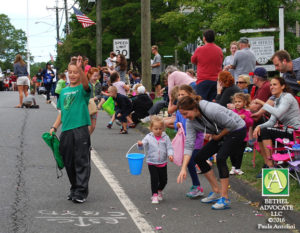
120 19
35 67
12 42
227 17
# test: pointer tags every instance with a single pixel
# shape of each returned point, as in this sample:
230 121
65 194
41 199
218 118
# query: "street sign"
121 46
263 48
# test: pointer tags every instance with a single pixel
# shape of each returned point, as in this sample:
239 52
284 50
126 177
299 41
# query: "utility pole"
57 22
146 43
27 32
56 8
281 27
99 32
67 19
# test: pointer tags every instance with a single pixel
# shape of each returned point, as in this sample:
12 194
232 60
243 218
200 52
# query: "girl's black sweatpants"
75 150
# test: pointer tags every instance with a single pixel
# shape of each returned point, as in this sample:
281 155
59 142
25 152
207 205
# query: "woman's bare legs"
210 176
20 90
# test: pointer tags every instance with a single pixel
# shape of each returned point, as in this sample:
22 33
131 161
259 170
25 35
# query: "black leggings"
159 178
236 159
48 89
231 144
273 133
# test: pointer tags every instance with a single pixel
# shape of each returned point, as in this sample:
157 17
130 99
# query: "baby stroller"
41 90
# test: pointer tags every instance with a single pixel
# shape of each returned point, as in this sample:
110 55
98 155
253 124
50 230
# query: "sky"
42 23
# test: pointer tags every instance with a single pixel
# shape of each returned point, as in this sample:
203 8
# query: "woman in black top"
225 88
20 71
47 77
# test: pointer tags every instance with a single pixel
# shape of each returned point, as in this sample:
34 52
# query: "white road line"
112 181
133 211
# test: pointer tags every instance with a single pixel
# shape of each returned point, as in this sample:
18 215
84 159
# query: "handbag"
178 146
109 106
53 142
92 106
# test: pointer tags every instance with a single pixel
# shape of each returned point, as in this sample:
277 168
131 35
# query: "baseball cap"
261 72
141 90
244 40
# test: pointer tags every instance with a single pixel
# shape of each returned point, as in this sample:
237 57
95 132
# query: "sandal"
123 132
132 125
18 106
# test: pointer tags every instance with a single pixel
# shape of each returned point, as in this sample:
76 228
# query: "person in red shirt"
13 79
260 79
209 59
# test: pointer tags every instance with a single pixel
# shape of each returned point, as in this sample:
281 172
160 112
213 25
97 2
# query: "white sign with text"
263 48
121 46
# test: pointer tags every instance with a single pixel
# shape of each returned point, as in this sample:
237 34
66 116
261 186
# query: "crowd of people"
228 106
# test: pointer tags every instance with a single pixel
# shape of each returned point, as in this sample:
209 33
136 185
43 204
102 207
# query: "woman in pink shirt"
177 78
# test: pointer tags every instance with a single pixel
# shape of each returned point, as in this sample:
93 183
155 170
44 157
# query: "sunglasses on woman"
240 82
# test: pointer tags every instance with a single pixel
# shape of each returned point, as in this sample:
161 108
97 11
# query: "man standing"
244 60
156 70
290 69
208 59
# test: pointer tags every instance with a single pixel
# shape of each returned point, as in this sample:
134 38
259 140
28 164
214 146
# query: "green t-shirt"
60 85
73 103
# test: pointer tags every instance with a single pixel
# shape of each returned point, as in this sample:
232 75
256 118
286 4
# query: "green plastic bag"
53 142
109 106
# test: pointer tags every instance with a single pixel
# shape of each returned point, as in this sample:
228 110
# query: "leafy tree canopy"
227 17
120 19
172 29
12 42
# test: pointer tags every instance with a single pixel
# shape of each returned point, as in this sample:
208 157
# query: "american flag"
82 18
59 42
51 57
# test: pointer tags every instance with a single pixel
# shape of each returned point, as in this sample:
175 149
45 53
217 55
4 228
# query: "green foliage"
35 67
227 17
120 19
172 29
12 42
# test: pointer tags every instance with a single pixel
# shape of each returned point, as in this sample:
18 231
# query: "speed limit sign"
121 46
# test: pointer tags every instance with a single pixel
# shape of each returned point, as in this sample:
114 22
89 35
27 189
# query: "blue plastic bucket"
135 161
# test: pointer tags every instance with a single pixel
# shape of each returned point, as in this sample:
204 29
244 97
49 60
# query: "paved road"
33 200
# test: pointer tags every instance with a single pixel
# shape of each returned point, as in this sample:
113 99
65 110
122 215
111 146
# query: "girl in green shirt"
60 84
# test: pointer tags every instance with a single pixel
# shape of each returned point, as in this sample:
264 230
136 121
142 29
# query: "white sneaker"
146 119
239 172
232 171
160 195
221 204
212 197
155 199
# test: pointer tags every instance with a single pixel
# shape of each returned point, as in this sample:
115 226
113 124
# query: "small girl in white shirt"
120 85
158 148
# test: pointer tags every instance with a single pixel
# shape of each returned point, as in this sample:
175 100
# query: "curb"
247 191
